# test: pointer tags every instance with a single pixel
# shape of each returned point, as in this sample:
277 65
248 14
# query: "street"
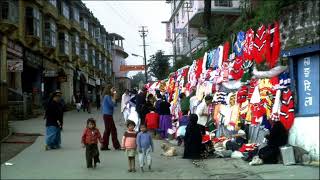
69 161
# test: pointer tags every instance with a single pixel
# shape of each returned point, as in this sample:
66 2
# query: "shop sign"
92 82
15 65
50 73
14 49
33 59
168 32
98 82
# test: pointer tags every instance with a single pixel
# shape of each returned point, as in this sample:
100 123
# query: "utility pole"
188 8
143 32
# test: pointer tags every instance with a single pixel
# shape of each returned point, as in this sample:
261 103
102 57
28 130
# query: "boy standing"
145 146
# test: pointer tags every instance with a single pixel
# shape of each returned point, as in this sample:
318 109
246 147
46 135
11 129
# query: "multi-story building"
119 56
48 45
184 28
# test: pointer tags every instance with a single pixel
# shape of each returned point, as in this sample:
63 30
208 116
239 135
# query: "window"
8 10
84 23
32 21
65 10
97 60
75 14
103 41
97 35
50 33
91 30
223 3
64 43
109 69
76 44
306 76
84 51
53 2
93 58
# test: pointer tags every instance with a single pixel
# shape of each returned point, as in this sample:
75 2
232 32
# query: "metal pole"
143 35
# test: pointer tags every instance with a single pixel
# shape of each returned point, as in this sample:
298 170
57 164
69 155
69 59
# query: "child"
129 144
145 146
183 122
152 121
90 138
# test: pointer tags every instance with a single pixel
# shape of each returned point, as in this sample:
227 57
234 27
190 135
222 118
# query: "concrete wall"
299 24
305 134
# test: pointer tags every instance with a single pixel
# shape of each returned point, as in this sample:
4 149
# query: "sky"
126 18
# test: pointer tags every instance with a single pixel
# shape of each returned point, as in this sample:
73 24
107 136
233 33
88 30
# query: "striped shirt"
129 140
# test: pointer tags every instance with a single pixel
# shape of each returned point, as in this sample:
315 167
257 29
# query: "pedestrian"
90 137
84 103
53 116
157 103
108 104
145 147
133 115
77 100
192 139
129 144
152 121
165 121
203 112
90 100
125 110
140 104
63 106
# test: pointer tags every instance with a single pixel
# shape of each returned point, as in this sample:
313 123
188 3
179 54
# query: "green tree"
181 62
159 65
137 78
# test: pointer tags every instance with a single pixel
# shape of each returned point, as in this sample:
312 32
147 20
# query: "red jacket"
152 120
91 136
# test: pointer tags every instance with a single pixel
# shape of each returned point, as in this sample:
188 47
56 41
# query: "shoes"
134 170
94 165
142 169
129 170
149 167
46 147
256 161
104 149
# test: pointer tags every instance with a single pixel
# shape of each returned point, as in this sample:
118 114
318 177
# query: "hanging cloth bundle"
260 44
238 46
248 46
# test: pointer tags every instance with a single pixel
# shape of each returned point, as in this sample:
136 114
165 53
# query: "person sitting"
238 139
192 139
183 122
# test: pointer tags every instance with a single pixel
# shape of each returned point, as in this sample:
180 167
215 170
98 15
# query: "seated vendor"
238 139
183 122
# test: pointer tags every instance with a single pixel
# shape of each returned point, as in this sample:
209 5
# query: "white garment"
193 104
78 105
126 113
202 108
133 116
145 155
124 101
255 96
204 63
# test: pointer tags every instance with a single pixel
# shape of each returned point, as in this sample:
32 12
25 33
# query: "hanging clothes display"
259 47
226 48
239 44
248 45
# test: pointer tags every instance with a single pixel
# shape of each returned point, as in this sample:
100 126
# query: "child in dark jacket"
90 137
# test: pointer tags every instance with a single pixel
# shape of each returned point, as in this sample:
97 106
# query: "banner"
125 68
15 65
168 32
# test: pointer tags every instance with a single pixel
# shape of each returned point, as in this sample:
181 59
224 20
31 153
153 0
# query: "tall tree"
137 78
159 65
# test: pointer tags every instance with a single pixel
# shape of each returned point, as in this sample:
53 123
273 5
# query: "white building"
187 19
118 58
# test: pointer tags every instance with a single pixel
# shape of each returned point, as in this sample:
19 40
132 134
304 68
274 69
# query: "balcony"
8 17
50 10
218 7
63 23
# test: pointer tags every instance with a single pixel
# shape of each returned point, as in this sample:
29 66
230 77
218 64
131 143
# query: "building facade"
119 55
185 26
48 45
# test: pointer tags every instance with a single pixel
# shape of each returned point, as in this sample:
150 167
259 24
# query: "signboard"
14 49
15 65
50 73
125 68
308 85
168 32
98 82
179 30
92 82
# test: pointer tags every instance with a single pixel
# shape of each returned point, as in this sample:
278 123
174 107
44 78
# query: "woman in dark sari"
53 116
192 139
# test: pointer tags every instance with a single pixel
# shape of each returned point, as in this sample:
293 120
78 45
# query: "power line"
121 17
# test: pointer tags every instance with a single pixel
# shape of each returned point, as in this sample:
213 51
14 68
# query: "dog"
168 151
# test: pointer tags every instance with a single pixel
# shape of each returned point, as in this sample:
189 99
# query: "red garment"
247 147
259 47
258 110
199 67
91 136
242 94
237 72
274 50
205 138
185 72
226 48
152 120
253 84
248 46
287 109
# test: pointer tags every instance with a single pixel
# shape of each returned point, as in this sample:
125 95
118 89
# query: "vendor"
238 139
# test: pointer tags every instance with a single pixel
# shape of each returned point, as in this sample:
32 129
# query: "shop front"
15 66
31 76
92 89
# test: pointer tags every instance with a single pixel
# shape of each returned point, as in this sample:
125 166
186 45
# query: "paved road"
69 162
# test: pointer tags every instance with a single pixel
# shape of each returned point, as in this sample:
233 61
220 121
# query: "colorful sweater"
91 136
129 140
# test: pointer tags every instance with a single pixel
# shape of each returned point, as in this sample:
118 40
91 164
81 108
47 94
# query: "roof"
115 36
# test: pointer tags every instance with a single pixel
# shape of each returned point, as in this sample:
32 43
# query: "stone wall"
299 24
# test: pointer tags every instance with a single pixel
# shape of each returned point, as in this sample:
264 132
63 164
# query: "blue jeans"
53 137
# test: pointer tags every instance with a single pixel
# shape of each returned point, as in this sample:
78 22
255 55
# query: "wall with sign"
308 85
